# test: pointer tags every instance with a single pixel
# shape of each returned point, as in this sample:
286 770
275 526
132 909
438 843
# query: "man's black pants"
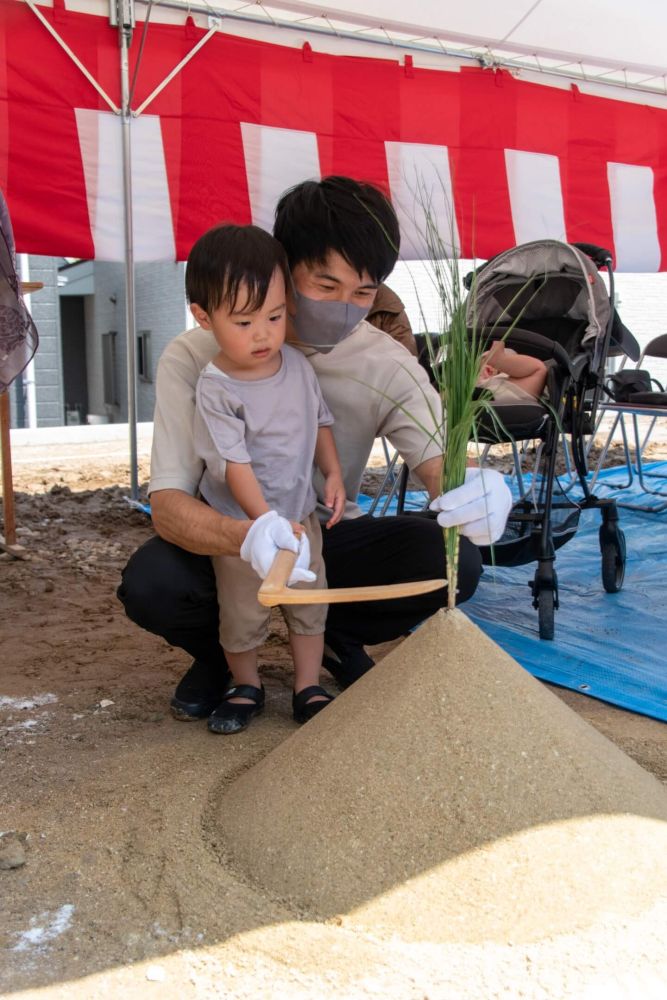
172 593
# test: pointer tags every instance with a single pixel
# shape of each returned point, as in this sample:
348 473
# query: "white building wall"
160 309
105 312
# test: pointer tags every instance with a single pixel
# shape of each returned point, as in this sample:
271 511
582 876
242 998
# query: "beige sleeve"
410 411
174 463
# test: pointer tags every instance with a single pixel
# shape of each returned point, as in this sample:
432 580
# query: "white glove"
479 508
267 535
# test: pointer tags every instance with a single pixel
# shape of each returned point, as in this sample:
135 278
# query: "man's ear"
200 316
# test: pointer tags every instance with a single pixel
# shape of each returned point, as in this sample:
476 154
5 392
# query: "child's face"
248 341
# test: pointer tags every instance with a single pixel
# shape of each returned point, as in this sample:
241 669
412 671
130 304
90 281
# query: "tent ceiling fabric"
609 40
504 157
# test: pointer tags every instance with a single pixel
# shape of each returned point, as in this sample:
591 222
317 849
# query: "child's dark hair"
341 214
229 256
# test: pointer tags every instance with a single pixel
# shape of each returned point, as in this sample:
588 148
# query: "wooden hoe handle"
275 581
274 589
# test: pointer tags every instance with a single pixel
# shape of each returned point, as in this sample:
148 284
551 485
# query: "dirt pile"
448 796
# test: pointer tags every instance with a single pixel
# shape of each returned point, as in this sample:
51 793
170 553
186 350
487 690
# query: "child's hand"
334 497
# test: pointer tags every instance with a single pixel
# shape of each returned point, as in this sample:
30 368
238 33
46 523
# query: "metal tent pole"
125 16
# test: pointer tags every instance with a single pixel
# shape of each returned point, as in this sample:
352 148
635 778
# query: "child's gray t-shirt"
271 423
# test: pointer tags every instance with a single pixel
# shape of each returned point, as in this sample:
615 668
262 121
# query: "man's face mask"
323 323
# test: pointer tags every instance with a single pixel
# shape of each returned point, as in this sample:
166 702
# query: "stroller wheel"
544 589
545 613
613 564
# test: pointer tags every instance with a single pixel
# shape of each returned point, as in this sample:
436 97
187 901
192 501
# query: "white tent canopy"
604 41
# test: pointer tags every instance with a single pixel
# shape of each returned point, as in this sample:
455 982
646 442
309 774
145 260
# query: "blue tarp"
610 646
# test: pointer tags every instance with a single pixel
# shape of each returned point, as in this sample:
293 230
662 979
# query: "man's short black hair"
338 213
229 256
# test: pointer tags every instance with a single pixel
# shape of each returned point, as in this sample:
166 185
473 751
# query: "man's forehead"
337 269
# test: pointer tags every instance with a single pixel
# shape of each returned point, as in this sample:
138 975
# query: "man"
342 240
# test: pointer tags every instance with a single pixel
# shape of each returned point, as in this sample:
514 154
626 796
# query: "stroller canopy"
542 280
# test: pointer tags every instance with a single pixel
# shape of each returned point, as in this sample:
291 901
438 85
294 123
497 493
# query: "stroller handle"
599 256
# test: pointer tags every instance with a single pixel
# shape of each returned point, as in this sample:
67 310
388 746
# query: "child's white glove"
479 508
267 535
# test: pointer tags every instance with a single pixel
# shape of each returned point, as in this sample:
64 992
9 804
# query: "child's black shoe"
303 709
232 717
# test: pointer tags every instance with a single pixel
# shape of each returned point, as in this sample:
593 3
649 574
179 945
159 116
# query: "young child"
260 422
511 377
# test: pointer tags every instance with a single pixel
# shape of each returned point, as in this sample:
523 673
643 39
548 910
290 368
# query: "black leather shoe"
303 709
231 717
199 691
345 661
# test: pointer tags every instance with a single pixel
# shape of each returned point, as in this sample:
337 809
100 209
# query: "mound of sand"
448 796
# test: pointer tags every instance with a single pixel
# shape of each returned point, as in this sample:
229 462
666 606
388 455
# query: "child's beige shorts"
244 623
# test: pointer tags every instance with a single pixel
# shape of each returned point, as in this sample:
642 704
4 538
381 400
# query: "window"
144 356
109 368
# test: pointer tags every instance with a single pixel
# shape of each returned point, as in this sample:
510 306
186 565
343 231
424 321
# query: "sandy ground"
125 889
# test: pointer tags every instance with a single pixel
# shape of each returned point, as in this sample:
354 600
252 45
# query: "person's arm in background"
529 373
388 314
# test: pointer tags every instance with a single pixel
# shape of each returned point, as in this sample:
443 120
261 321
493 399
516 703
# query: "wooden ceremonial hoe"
274 589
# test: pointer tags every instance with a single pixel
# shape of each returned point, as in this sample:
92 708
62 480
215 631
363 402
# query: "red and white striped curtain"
502 161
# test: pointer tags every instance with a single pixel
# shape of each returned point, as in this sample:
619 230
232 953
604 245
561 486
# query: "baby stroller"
547 299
